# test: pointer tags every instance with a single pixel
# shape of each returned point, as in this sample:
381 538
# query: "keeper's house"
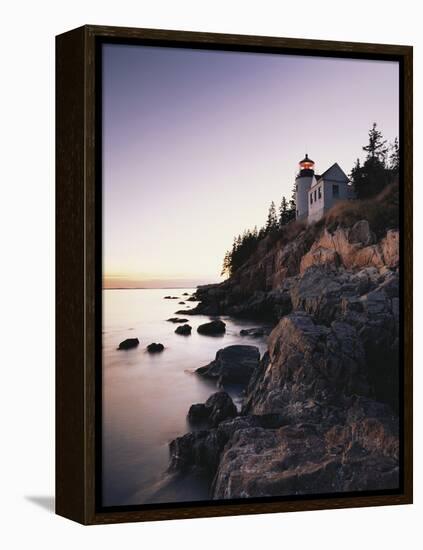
315 195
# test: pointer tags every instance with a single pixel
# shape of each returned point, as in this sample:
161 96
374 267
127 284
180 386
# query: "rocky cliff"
320 412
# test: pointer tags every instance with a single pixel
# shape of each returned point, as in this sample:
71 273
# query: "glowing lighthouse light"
306 163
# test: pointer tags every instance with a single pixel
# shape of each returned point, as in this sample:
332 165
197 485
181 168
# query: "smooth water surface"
146 397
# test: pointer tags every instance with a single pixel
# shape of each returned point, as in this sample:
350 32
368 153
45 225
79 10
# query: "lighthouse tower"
303 183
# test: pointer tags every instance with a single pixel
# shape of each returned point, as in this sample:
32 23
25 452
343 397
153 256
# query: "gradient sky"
197 143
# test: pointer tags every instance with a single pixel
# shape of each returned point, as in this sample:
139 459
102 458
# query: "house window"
315 195
335 191
320 192
311 198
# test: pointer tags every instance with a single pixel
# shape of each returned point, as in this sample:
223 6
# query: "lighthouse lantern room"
306 164
303 183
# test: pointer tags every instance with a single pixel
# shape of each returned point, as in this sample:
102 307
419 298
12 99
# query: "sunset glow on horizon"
196 144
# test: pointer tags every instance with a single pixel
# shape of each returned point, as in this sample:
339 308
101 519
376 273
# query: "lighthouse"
303 183
316 194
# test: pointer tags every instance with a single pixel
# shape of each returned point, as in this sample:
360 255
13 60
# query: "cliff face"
265 285
320 412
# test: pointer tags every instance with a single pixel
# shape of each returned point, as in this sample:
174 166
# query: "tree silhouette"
376 148
394 158
283 212
272 220
371 177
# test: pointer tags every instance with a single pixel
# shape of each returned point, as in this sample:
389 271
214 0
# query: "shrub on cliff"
382 212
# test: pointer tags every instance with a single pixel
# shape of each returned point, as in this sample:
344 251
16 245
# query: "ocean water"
146 397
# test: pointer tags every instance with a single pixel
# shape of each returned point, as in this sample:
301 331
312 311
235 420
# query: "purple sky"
197 143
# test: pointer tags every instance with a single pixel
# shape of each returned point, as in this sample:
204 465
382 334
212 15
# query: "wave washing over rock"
320 410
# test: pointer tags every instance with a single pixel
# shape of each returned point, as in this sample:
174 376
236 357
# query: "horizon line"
153 288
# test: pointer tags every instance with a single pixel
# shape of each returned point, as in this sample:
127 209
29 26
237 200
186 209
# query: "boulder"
201 449
181 303
177 320
255 332
198 414
184 330
192 311
216 409
233 364
308 364
155 348
361 233
195 450
212 328
129 343
301 459
170 297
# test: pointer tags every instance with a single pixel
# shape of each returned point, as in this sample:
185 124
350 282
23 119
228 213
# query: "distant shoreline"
150 288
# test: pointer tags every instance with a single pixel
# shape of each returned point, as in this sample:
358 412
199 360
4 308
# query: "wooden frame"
78 236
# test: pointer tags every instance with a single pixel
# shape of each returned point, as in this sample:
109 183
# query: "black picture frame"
78 273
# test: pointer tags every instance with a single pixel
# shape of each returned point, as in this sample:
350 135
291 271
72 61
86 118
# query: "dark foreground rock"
177 320
184 330
155 348
212 328
313 420
129 343
216 409
255 332
310 459
171 297
232 365
192 311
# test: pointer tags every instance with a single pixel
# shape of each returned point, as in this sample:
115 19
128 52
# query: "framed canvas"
234 274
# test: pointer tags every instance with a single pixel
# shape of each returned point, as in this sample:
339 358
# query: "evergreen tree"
226 268
272 220
394 157
376 148
356 176
293 205
283 212
370 178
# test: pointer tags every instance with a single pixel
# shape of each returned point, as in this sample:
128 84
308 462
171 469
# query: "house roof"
335 173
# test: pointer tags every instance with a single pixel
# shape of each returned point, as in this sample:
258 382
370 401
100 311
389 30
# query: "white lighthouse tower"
303 183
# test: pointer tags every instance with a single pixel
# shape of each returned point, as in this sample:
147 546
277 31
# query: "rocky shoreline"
320 408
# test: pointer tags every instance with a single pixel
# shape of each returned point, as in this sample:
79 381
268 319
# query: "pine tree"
283 212
394 159
272 220
356 176
293 205
376 148
370 178
226 268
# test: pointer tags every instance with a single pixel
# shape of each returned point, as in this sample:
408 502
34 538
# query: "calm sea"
146 397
